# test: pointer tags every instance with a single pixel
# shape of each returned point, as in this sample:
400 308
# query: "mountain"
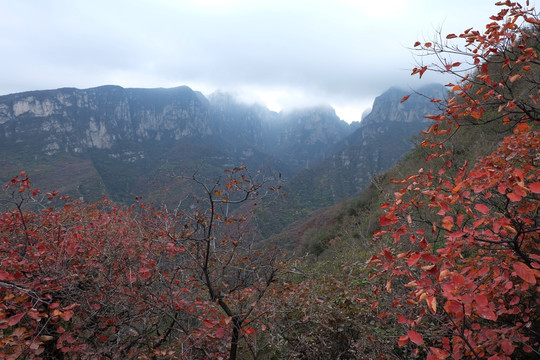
129 142
382 139
124 143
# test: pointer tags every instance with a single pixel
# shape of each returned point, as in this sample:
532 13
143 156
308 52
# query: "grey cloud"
336 50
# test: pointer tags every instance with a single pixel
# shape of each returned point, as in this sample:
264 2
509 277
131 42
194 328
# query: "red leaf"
438 354
451 36
388 255
486 313
482 208
514 77
220 333
383 315
481 299
208 323
514 196
525 272
415 337
413 259
14 320
507 347
405 98
67 315
249 330
432 304
4 275
535 187
384 220
523 127
448 222
403 340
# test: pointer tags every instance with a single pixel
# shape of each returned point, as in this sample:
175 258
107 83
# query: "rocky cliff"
72 121
126 137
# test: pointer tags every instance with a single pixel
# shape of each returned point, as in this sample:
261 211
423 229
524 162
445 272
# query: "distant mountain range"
382 138
129 142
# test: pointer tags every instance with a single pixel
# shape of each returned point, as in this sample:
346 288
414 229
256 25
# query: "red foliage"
478 281
102 281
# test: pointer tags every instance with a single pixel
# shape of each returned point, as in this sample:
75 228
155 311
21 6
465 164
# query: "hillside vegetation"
438 258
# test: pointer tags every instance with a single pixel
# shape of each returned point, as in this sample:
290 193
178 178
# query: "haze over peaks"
282 53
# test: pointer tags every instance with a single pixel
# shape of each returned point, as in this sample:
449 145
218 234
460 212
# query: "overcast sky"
282 53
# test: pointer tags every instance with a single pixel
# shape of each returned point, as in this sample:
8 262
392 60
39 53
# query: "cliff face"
127 135
382 138
384 135
72 120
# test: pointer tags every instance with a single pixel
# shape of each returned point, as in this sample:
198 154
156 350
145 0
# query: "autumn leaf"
249 330
535 187
388 255
474 250
523 127
415 337
220 333
413 259
405 98
4 275
486 313
437 354
403 340
387 219
208 323
482 208
67 315
525 272
432 303
513 196
448 222
514 77
14 320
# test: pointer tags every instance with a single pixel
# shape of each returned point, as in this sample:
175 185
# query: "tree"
465 262
100 280
235 275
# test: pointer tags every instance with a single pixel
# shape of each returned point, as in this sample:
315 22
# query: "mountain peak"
388 107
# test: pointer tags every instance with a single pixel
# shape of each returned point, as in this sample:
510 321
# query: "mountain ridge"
125 143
